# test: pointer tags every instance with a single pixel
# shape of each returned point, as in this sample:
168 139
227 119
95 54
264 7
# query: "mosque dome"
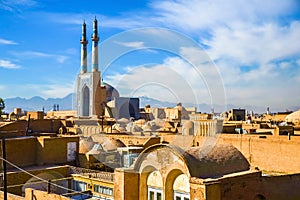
215 161
293 117
150 126
111 92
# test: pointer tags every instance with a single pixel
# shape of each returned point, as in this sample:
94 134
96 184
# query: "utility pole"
28 124
4 169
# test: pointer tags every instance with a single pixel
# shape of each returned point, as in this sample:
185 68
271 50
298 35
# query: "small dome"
111 92
140 122
111 145
123 121
108 144
209 162
150 126
131 127
293 117
85 145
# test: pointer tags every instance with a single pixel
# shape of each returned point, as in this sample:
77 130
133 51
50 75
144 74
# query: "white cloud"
35 54
57 90
285 65
254 34
190 16
71 51
136 44
8 64
258 48
17 5
277 96
126 22
249 41
255 44
60 59
121 22
5 42
67 18
244 34
173 80
195 15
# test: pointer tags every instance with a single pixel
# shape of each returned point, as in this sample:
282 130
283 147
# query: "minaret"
83 43
95 40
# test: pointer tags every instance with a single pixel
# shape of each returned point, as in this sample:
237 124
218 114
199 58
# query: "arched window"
154 185
181 188
86 101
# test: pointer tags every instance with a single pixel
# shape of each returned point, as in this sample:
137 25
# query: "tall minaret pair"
84 43
91 96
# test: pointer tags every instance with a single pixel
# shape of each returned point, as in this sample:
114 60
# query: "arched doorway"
86 101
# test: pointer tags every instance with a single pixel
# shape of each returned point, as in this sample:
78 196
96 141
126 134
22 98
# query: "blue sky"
254 46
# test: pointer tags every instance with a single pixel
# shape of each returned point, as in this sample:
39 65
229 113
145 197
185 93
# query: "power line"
43 180
37 182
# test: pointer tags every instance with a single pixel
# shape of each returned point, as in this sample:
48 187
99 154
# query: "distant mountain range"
66 103
38 103
203 107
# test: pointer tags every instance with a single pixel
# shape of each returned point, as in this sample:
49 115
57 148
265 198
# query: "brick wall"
272 153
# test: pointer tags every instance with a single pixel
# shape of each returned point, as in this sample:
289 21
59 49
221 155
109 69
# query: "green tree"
2 105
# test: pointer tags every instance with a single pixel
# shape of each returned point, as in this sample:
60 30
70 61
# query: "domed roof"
107 143
131 127
123 121
214 161
293 117
85 145
111 92
201 162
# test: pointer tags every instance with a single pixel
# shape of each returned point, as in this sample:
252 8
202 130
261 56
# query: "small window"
158 196
78 186
151 195
154 193
181 196
103 190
